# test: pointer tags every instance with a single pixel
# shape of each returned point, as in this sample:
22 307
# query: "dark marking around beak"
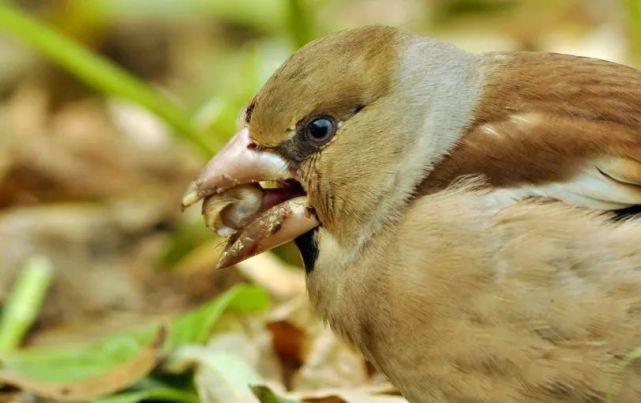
308 248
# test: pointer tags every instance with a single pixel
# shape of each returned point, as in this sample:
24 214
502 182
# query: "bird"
517 287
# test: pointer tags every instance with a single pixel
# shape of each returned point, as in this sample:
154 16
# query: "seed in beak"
227 212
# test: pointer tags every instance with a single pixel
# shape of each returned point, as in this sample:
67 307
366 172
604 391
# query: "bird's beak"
284 213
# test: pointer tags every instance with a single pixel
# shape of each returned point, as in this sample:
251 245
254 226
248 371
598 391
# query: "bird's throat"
308 247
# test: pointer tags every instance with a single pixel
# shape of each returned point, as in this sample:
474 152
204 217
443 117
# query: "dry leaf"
280 279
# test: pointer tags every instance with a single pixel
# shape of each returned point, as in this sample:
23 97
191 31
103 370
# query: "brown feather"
469 300
462 295
331 76
545 117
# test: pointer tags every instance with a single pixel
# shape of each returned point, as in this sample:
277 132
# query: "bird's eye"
320 129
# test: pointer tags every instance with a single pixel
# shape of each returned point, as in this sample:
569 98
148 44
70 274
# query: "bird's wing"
555 126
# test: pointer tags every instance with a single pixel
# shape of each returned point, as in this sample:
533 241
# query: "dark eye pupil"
321 128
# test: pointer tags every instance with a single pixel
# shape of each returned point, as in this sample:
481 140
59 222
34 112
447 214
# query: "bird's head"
348 126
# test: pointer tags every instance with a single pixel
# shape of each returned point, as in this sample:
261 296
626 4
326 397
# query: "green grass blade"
23 305
633 8
94 70
301 25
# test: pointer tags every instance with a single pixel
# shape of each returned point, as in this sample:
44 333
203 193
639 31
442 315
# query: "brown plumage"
457 293
469 299
549 118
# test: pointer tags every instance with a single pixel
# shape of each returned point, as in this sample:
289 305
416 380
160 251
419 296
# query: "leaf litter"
135 311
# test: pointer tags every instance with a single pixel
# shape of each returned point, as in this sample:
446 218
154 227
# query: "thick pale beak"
240 163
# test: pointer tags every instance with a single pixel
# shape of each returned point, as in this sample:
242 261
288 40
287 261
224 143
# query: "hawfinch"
355 148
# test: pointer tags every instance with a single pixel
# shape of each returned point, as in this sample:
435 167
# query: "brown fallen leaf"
288 340
327 361
15 397
120 377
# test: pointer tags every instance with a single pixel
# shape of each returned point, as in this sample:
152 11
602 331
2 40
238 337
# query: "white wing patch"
608 183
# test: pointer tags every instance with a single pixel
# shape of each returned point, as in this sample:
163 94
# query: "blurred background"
108 108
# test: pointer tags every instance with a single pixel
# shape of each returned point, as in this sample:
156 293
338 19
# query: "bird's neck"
438 89
433 102
341 282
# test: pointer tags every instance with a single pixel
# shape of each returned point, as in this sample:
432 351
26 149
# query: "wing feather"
553 126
